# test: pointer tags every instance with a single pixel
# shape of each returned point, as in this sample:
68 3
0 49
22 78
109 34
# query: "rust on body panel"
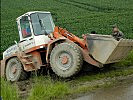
35 48
89 59
29 63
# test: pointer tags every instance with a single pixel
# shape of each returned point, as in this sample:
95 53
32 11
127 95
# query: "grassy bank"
8 90
46 88
126 62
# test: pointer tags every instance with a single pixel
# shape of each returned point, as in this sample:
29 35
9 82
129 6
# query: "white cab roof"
31 12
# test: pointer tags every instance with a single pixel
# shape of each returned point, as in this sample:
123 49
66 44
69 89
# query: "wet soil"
123 90
24 88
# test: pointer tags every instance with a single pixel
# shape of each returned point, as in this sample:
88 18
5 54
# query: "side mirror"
15 42
17 45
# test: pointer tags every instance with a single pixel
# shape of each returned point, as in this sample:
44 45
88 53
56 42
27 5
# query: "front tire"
66 59
14 70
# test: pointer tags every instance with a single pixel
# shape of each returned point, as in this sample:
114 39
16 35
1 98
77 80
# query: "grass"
78 17
112 73
46 89
8 91
126 62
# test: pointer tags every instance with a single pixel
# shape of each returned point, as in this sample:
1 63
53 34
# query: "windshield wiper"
40 22
42 25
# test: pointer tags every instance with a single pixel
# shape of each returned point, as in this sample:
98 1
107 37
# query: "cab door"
26 34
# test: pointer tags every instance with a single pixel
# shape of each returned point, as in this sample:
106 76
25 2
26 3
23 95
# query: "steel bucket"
106 49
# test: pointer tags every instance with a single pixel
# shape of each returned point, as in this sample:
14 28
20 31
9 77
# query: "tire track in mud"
24 88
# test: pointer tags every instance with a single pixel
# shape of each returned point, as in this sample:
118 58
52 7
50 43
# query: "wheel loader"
42 44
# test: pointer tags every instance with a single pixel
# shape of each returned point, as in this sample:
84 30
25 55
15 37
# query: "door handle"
22 41
30 38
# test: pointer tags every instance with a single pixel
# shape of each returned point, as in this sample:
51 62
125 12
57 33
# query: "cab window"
25 27
42 23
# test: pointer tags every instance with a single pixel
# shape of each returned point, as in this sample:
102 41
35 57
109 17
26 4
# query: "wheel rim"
64 60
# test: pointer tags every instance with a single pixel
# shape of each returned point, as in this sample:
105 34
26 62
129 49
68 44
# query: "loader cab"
34 28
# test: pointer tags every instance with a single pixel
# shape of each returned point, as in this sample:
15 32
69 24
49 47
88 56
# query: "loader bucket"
106 49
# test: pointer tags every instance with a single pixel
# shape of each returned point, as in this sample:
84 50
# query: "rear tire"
66 59
14 70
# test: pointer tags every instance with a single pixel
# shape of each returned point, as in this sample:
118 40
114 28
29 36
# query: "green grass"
126 62
78 17
46 89
8 91
112 73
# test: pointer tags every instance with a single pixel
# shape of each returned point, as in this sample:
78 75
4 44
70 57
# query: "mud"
123 90
24 88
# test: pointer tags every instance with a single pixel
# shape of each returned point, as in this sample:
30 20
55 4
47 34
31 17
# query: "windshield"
42 23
